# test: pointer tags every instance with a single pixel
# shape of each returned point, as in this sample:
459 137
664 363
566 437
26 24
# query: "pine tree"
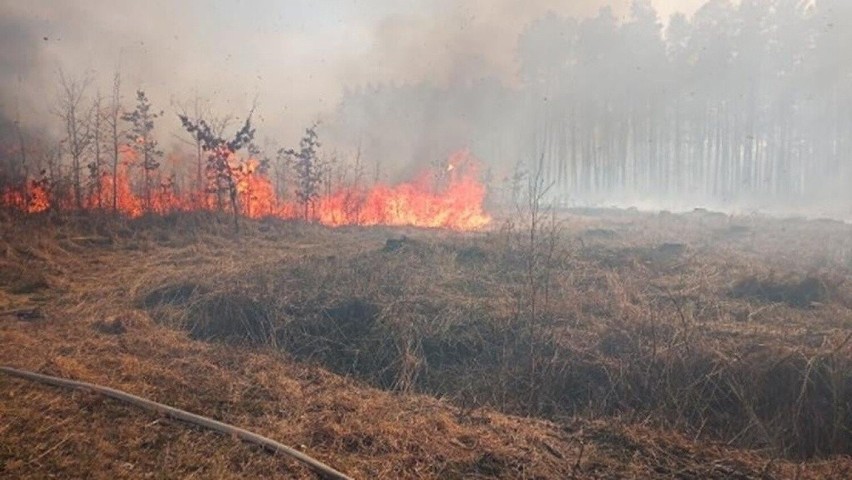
308 169
142 141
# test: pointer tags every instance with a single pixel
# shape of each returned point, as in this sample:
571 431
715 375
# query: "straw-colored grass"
629 328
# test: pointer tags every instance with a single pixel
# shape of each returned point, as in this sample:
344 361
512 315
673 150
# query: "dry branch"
183 415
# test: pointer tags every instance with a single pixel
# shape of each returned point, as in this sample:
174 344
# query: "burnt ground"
650 346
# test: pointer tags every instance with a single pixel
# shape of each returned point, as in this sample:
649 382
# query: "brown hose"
179 414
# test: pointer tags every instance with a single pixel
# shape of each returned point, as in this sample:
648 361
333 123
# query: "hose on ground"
183 415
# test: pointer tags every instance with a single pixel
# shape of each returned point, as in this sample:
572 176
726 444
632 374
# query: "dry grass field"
607 344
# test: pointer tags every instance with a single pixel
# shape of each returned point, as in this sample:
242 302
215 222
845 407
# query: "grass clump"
794 290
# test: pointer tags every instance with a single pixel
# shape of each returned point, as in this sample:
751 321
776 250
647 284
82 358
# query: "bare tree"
23 169
113 115
95 168
22 146
75 117
538 243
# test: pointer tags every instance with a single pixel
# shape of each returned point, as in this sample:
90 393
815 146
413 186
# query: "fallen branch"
179 414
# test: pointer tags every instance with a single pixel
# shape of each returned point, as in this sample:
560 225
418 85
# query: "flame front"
456 205
451 199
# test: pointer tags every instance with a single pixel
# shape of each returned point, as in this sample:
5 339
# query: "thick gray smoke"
741 107
295 57
737 105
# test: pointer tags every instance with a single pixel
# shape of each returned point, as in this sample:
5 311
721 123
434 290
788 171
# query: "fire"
457 205
453 199
39 198
126 201
34 198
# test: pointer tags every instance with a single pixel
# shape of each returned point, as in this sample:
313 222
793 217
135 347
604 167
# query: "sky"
294 58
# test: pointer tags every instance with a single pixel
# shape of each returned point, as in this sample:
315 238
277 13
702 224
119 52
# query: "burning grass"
638 347
450 198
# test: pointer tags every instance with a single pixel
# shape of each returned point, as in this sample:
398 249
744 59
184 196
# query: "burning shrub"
226 170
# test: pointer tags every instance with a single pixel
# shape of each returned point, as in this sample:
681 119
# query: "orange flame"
457 205
34 198
453 199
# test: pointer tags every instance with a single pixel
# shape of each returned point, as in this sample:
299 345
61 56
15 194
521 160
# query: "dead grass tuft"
178 294
794 290
229 316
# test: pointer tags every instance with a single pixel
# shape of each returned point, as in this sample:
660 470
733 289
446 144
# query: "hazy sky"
294 56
